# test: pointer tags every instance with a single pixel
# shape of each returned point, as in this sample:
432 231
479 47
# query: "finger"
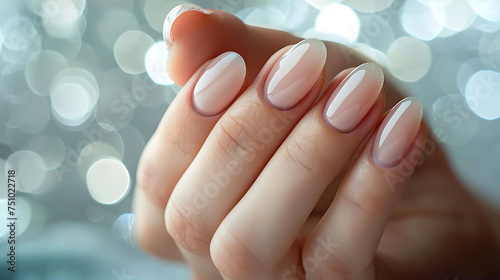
284 194
178 138
344 243
240 145
219 31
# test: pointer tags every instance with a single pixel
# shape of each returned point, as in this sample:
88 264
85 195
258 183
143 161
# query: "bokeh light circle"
409 59
70 104
41 71
156 11
108 180
483 94
130 50
74 94
487 9
30 170
123 228
156 64
368 6
455 15
340 21
418 20
320 4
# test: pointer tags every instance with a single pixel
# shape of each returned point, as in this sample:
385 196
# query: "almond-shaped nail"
219 84
294 74
354 97
397 132
173 14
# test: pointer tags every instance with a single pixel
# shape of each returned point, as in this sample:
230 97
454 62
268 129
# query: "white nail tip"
173 14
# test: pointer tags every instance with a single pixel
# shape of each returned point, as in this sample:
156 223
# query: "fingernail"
219 84
354 97
294 74
397 132
173 14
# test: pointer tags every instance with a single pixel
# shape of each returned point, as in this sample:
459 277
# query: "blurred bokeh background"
83 85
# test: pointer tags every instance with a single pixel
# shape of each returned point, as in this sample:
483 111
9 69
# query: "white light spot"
487 9
30 170
435 3
320 4
41 71
483 94
340 21
418 20
108 180
456 15
266 16
409 59
4 231
70 104
62 19
156 10
465 71
23 214
3 177
123 228
156 64
368 6
74 94
96 150
130 50
18 33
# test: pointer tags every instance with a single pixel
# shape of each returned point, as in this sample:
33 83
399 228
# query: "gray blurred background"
83 86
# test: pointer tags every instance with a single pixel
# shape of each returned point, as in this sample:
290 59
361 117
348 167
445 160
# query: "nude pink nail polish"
294 74
219 84
173 14
397 132
354 97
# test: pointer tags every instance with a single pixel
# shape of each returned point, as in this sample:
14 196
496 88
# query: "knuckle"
187 229
233 257
368 204
302 156
237 137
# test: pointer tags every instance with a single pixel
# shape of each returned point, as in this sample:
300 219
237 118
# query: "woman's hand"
248 191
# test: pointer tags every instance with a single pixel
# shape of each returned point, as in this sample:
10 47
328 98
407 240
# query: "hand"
429 233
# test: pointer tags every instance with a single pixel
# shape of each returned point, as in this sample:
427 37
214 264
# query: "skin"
435 229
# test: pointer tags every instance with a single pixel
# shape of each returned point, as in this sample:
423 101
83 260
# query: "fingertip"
198 37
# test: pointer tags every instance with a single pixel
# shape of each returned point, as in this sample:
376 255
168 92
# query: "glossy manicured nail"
294 74
354 97
397 132
174 13
219 84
